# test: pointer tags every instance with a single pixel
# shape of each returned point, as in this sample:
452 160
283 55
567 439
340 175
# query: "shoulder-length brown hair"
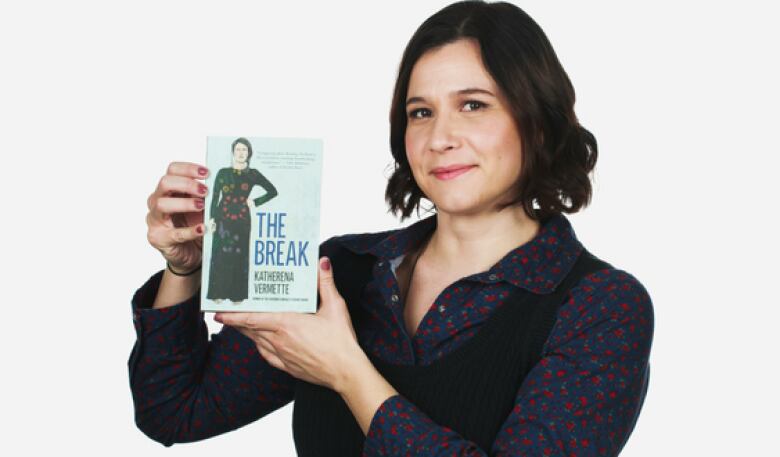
558 153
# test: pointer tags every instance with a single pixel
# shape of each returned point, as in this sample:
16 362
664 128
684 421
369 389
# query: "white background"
96 98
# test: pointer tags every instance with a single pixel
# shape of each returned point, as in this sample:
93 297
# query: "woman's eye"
476 105
475 102
413 113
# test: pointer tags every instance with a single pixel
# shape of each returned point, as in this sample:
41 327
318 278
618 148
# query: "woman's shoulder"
607 301
611 284
358 238
358 242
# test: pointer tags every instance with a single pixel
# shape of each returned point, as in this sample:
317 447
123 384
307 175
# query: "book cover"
262 217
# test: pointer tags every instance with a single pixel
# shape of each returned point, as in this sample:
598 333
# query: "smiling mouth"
447 175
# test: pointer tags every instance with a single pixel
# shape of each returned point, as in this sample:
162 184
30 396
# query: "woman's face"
447 126
240 152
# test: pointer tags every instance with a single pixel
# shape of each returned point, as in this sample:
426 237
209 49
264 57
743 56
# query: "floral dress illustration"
228 275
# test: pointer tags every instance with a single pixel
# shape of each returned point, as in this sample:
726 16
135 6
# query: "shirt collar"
538 265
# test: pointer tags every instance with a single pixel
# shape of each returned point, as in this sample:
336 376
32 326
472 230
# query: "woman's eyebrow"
468 91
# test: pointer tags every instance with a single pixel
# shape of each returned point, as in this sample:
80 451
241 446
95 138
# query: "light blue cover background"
294 167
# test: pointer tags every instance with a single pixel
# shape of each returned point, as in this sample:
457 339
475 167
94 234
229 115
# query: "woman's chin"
456 206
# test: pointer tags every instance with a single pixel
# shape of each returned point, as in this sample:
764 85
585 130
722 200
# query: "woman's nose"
442 136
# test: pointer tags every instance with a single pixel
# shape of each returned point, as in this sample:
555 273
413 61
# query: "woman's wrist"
183 272
176 288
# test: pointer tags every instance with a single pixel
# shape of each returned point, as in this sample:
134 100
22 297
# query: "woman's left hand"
251 204
320 348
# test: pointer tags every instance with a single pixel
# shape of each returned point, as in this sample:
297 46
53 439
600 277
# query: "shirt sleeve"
216 191
186 388
270 191
583 397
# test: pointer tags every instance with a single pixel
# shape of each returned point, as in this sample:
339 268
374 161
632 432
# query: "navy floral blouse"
583 397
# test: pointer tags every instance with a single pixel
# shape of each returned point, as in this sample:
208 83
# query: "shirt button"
492 277
394 297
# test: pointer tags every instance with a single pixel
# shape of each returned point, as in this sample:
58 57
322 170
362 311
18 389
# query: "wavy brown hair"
558 153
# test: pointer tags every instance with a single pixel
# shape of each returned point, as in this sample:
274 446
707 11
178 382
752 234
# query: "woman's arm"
259 180
174 289
186 388
216 191
582 398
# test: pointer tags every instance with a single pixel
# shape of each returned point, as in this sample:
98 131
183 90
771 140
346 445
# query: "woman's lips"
445 175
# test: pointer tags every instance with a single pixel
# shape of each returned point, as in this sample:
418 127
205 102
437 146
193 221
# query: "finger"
272 359
170 195
266 350
260 338
327 287
175 205
270 337
265 344
192 170
184 234
170 185
256 321
247 333
164 237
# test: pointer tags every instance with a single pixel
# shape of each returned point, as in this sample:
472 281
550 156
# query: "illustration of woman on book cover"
230 224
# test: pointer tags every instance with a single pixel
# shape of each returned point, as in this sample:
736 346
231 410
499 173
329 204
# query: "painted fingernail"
199 229
199 204
202 171
201 188
326 264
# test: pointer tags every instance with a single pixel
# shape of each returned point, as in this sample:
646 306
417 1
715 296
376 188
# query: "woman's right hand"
175 218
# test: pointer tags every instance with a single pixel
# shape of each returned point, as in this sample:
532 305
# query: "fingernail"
199 204
325 264
202 171
218 318
201 188
199 229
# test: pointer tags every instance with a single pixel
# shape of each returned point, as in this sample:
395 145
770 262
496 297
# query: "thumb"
327 285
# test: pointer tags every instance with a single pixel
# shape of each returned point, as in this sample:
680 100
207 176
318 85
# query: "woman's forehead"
444 71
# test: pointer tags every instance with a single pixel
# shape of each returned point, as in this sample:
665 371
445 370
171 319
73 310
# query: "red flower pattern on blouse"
583 397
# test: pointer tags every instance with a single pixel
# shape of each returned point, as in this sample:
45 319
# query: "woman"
231 221
483 329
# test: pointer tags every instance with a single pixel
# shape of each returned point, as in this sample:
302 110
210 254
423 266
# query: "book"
262 217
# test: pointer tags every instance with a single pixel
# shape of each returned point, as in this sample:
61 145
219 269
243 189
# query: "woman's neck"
239 165
474 243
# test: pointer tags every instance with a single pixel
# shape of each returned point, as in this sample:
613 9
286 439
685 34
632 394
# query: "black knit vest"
471 390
